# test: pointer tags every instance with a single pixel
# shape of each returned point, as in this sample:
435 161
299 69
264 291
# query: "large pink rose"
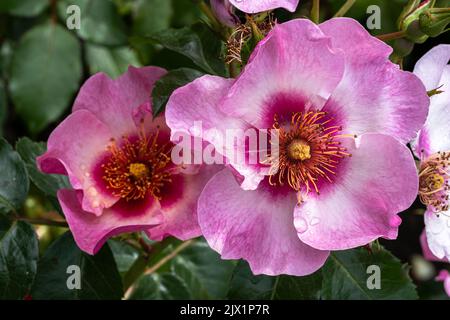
320 86
118 161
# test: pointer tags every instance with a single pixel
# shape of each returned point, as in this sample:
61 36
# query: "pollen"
434 175
137 167
139 170
309 151
299 150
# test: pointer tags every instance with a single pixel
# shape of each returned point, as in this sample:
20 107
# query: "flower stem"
392 36
440 10
315 10
135 271
44 222
345 7
169 257
233 68
139 267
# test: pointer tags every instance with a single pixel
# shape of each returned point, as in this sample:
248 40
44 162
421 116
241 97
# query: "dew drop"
92 191
300 224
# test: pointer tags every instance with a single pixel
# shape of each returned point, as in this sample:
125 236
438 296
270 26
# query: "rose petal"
433 70
192 111
374 94
74 148
254 6
91 232
427 254
361 205
256 226
114 101
437 227
179 205
296 60
224 11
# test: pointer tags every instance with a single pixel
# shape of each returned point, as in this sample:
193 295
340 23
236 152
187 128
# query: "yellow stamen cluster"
308 151
434 177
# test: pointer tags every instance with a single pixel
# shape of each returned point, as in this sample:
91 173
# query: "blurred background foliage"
43 65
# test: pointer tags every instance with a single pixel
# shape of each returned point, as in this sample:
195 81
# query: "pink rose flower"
443 275
432 147
319 86
118 161
224 9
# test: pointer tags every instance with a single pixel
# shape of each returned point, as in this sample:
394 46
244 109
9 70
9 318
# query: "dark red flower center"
137 166
308 151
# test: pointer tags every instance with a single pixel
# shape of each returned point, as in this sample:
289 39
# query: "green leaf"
14 182
164 286
3 106
23 8
112 61
207 276
346 276
186 13
198 43
124 254
150 16
49 184
167 84
45 72
100 21
245 285
99 276
19 253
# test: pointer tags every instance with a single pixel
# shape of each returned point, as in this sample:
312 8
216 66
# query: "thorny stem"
391 36
345 7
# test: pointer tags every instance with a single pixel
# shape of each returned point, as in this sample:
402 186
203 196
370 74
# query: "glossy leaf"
23 8
99 276
112 61
169 83
164 286
45 73
49 184
19 253
350 275
124 254
206 275
245 285
198 43
100 21
14 182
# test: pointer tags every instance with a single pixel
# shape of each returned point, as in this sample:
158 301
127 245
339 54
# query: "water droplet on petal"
314 221
300 224
92 191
